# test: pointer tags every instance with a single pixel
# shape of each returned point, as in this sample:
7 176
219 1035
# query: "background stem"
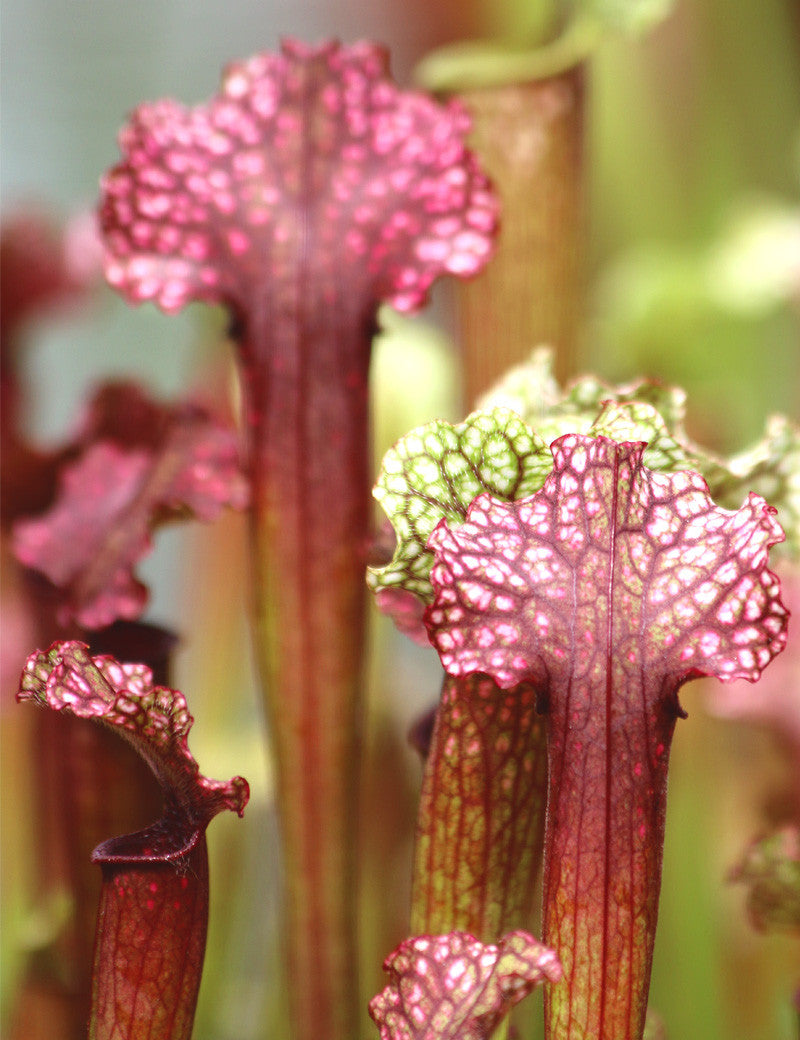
606 807
307 415
529 136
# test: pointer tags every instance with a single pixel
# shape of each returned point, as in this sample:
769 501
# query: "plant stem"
530 138
481 817
151 938
607 768
305 380
88 785
527 109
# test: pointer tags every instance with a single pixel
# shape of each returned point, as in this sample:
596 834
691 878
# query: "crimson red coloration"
310 190
454 987
153 915
150 945
608 589
171 463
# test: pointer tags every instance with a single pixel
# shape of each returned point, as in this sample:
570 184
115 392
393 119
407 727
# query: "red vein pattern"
149 948
480 824
453 987
308 192
608 589
153 915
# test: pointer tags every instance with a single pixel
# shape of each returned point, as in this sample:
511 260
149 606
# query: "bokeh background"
692 262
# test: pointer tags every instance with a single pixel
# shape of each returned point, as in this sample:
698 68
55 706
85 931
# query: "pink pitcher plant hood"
480 824
435 472
608 589
720 591
135 465
454 987
153 913
310 159
308 192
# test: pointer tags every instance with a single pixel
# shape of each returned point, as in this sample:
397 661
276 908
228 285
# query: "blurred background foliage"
692 266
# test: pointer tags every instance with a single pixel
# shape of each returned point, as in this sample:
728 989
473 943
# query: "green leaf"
531 390
627 16
639 421
437 470
770 467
